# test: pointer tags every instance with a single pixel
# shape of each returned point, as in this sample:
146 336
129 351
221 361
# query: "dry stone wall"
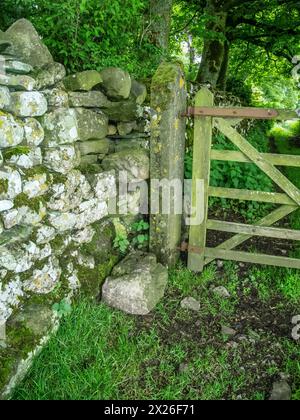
62 141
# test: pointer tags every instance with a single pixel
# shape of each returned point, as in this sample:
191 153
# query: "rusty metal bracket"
249 113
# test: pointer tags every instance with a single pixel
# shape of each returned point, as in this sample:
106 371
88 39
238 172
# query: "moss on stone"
91 280
20 342
22 200
33 172
58 244
3 186
16 151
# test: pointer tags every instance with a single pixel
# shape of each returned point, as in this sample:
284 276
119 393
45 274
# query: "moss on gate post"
168 99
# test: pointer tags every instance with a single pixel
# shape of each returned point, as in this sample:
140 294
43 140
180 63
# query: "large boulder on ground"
84 81
116 83
27 44
136 285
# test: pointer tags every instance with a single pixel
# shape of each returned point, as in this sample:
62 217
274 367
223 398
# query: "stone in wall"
27 44
60 127
18 82
56 98
34 132
27 104
84 81
11 131
4 97
49 75
135 163
94 147
92 99
116 83
91 124
61 159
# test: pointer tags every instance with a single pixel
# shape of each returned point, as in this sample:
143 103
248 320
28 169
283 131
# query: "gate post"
167 149
201 171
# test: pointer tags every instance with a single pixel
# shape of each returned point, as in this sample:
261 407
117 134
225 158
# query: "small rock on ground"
229 332
222 292
281 391
190 303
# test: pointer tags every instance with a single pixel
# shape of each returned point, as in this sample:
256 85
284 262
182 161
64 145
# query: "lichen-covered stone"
116 83
4 97
56 98
124 111
23 157
49 75
45 234
139 92
92 99
104 185
84 81
27 45
60 127
62 159
125 128
11 131
136 285
24 214
6 205
17 67
19 258
95 147
36 185
67 195
62 221
35 317
28 104
134 162
34 132
18 82
91 211
10 295
91 124
44 280
15 235
10 183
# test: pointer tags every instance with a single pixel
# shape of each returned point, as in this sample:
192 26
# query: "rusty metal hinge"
256 113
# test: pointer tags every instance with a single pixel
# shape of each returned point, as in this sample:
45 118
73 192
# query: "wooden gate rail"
199 254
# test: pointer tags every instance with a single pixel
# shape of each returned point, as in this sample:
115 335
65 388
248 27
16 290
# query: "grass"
99 353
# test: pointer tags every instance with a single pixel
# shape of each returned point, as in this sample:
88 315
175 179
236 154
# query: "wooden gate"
208 117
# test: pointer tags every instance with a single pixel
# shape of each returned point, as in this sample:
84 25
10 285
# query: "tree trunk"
222 81
214 50
160 23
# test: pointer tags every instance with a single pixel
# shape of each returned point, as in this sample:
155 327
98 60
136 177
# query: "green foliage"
89 34
62 308
121 243
141 236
